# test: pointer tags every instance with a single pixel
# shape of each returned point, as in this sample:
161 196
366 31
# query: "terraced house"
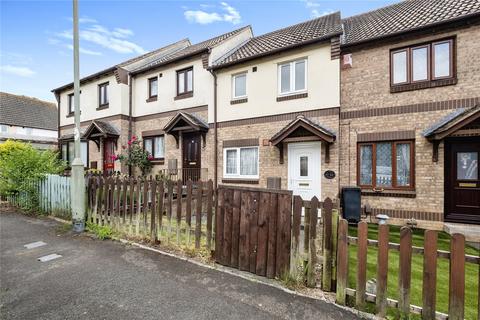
387 101
409 120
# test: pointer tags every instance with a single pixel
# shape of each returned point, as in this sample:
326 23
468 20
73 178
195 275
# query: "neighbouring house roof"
452 122
195 122
133 63
300 34
22 111
190 50
101 128
405 16
305 125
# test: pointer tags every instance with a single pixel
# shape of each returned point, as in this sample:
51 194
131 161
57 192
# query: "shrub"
21 166
102 232
134 155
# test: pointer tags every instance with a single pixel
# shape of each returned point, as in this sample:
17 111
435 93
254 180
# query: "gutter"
215 131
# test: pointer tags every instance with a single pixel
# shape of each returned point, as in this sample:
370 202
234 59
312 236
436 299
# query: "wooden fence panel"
235 228
272 236
312 248
210 214
456 304
244 238
253 199
327 245
342 261
179 207
382 270
188 216
283 233
198 214
296 226
263 214
219 218
361 265
429 275
227 226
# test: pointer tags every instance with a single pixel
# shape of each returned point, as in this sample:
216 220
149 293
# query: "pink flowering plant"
134 155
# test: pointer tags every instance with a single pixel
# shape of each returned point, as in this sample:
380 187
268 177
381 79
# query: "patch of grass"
290 280
102 232
471 270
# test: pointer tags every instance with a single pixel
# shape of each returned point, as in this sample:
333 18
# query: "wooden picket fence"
157 209
49 195
456 257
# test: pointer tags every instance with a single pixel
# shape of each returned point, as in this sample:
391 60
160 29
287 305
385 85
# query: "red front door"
108 154
462 180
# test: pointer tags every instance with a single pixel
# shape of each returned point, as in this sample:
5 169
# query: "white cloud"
17 71
115 39
228 14
84 20
313 6
85 51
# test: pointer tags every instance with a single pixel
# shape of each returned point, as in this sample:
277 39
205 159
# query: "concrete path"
108 280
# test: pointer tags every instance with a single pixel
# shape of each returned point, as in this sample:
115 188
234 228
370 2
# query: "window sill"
102 107
157 161
237 101
395 193
292 96
184 96
70 115
151 99
423 85
240 181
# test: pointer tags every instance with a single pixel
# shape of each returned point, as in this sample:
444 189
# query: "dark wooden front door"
462 180
108 153
192 155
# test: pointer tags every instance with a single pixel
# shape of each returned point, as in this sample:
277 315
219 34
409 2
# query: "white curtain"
159 147
147 145
231 166
249 161
403 164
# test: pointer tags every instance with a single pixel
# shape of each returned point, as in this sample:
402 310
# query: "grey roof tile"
405 16
299 34
25 111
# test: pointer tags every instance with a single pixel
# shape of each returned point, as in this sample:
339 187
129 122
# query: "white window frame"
238 175
292 77
234 77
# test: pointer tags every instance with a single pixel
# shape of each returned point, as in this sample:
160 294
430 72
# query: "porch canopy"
300 130
98 130
463 122
184 122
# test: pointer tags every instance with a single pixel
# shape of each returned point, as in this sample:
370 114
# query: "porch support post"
327 152
280 148
436 143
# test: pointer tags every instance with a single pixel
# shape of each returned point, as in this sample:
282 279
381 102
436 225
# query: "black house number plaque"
329 174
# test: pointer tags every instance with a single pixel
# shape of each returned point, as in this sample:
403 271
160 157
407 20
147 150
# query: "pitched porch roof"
184 121
99 129
452 123
303 129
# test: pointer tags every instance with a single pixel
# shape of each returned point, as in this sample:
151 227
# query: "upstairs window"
386 165
71 106
185 81
103 95
239 85
155 146
152 87
422 63
292 77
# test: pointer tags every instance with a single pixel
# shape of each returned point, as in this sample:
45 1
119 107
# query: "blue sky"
35 36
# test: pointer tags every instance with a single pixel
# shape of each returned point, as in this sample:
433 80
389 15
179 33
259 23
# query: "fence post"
312 256
327 245
361 265
209 214
296 221
179 208
429 275
456 302
334 246
342 262
198 214
405 270
382 270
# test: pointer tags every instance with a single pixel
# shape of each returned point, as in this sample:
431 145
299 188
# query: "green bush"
102 232
21 166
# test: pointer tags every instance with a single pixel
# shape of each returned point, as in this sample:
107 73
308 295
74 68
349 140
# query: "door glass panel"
231 156
304 166
366 165
384 165
403 164
467 165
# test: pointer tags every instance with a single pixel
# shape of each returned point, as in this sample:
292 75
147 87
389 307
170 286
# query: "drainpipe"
215 134
129 115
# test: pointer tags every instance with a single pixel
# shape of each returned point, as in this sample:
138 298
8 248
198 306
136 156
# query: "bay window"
155 146
292 77
386 165
241 162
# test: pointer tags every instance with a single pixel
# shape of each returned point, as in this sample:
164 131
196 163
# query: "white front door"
304 172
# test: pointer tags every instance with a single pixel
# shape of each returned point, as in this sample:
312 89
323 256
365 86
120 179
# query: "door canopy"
100 130
463 122
184 122
300 130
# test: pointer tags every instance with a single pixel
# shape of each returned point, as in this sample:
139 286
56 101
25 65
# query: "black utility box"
351 204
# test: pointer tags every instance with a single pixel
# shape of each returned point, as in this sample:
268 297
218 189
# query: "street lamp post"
78 183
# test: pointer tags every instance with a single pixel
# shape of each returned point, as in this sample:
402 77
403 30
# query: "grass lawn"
471 270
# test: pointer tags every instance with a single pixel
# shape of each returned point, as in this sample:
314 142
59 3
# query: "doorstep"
470 231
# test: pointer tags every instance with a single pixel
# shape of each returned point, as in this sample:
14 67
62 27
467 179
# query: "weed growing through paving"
102 232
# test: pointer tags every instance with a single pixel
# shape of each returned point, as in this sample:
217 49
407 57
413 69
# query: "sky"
36 36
